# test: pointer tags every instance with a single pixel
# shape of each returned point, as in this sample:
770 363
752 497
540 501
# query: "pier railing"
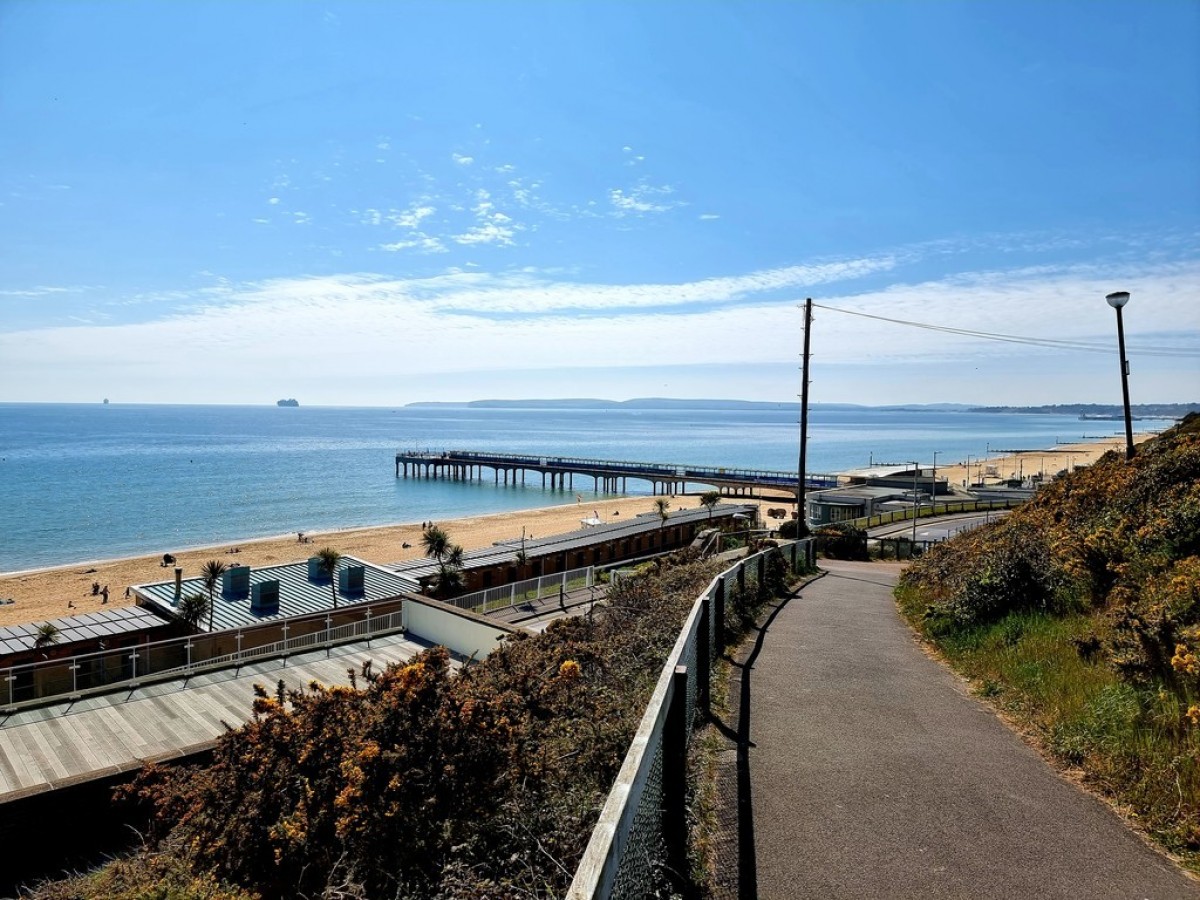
124 668
627 468
642 830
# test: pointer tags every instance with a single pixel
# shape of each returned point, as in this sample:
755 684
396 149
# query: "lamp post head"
1117 299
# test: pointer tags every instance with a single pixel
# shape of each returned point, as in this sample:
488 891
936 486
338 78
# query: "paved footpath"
875 773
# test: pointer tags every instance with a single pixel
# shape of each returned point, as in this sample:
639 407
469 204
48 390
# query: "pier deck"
610 476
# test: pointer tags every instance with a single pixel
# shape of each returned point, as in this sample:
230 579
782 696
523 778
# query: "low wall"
460 631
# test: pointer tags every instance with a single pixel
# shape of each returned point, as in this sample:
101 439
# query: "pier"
608 476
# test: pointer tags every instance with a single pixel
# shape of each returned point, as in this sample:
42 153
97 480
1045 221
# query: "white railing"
506 596
72 677
641 831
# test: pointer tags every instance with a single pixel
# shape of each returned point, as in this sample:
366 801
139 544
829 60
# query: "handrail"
948 508
506 596
101 671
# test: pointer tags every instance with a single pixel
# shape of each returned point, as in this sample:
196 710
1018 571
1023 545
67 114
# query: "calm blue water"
81 482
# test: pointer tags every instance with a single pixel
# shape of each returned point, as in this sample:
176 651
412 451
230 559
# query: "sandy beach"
1049 462
67 590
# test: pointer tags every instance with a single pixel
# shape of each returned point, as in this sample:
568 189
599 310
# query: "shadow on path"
747 868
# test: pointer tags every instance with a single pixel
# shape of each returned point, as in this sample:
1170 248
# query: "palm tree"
663 507
435 541
47 634
449 579
193 608
329 563
211 572
710 499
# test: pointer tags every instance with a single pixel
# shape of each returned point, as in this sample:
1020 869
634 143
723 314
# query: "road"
936 529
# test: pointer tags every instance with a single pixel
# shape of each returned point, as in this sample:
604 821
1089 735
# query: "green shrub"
842 541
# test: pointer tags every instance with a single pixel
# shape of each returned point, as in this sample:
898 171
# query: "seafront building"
267 609
253 595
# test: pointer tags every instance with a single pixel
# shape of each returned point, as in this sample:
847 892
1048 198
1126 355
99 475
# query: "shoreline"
54 592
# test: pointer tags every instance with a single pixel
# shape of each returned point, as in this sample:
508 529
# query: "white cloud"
493 232
301 218
42 290
462 160
411 217
642 199
274 201
478 323
707 217
422 242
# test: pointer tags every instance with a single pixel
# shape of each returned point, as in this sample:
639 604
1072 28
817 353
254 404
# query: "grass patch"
1133 743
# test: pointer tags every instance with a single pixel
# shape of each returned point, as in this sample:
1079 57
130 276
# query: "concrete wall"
461 632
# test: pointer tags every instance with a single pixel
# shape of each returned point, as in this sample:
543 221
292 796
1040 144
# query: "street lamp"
1117 300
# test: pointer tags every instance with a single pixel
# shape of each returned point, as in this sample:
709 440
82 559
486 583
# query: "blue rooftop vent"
315 570
264 598
351 580
236 582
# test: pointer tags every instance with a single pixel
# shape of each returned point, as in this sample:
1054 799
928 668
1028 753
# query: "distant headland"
1088 410
287 402
1100 410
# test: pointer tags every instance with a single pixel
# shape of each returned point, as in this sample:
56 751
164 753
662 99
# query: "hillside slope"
1080 615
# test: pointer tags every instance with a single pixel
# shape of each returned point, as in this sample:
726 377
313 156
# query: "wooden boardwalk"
56 746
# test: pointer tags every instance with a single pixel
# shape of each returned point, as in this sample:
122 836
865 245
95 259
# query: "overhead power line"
1052 343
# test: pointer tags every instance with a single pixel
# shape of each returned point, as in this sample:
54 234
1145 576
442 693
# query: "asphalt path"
874 773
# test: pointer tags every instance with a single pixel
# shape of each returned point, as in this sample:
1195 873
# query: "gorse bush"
419 782
1120 537
1080 613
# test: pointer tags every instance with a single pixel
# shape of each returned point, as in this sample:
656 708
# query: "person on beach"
104 594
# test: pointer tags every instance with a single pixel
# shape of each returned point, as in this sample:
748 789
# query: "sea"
86 482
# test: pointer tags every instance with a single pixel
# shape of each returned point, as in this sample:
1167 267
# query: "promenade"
871 772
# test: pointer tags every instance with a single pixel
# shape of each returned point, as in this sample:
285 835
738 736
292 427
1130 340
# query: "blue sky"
371 204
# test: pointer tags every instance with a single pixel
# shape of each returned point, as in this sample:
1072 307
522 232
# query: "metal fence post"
741 578
674 775
703 659
719 615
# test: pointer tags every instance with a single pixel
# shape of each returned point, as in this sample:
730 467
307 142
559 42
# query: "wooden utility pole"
802 519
